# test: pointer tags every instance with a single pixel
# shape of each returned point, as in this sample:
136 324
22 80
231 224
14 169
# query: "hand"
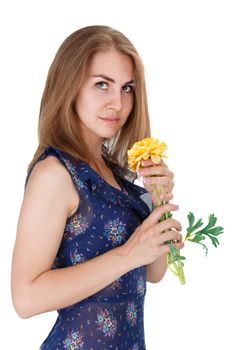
157 177
147 243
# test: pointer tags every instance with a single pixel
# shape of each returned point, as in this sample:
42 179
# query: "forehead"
112 63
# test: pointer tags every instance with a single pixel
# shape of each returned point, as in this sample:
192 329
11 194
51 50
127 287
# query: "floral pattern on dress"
115 231
115 200
77 257
141 286
108 319
106 322
76 226
72 170
74 341
131 313
116 284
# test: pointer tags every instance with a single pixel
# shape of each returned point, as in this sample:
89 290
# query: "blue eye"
127 88
102 85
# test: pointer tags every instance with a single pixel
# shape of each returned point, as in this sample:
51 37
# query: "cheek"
86 105
128 104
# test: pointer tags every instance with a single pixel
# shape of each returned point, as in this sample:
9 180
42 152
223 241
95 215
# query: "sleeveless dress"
113 318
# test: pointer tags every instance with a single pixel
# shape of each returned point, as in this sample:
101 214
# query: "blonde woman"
87 240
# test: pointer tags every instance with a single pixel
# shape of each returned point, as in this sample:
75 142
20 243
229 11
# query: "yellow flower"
144 149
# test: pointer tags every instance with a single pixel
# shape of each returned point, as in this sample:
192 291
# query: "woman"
87 240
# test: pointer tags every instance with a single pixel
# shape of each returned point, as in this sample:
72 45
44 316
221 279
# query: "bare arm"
156 270
45 208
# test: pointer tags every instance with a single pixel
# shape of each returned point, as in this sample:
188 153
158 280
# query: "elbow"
22 310
155 278
22 314
22 305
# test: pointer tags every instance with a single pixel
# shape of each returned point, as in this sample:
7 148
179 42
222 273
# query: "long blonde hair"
59 125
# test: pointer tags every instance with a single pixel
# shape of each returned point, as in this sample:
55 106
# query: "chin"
108 134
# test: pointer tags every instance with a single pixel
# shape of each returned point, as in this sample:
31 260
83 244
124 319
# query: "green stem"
169 266
188 237
177 265
166 215
157 196
181 276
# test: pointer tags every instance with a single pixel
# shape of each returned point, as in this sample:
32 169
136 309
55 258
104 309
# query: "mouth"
110 120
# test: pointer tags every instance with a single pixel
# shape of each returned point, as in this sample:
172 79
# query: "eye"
102 85
127 88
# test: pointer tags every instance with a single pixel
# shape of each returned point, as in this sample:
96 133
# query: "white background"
186 47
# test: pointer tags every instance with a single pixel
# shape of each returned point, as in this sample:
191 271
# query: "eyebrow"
103 76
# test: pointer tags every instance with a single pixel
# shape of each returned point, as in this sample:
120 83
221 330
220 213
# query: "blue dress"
113 318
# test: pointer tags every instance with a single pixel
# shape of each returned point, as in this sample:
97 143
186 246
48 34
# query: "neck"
95 148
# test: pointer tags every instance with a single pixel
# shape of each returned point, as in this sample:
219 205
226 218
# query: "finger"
164 249
163 163
156 171
159 197
159 193
179 245
156 180
159 211
147 162
168 225
166 197
170 235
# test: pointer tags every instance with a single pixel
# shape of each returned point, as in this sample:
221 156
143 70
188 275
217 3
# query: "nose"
115 101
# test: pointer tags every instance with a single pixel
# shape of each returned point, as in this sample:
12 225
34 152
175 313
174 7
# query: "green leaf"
182 257
205 248
191 219
208 231
215 231
212 221
173 249
214 240
174 254
197 238
192 227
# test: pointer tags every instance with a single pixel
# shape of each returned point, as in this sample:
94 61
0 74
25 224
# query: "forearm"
157 269
55 289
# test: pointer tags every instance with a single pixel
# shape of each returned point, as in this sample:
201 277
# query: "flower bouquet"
151 148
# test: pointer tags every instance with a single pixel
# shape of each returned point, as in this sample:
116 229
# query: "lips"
110 120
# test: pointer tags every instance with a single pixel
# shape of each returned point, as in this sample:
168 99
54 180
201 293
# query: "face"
106 98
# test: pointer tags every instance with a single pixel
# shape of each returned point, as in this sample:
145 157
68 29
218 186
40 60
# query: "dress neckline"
103 181
87 172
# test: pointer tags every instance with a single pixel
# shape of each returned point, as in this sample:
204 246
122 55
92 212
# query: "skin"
50 198
99 97
158 175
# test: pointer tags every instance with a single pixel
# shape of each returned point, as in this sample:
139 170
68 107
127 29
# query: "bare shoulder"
51 176
49 197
